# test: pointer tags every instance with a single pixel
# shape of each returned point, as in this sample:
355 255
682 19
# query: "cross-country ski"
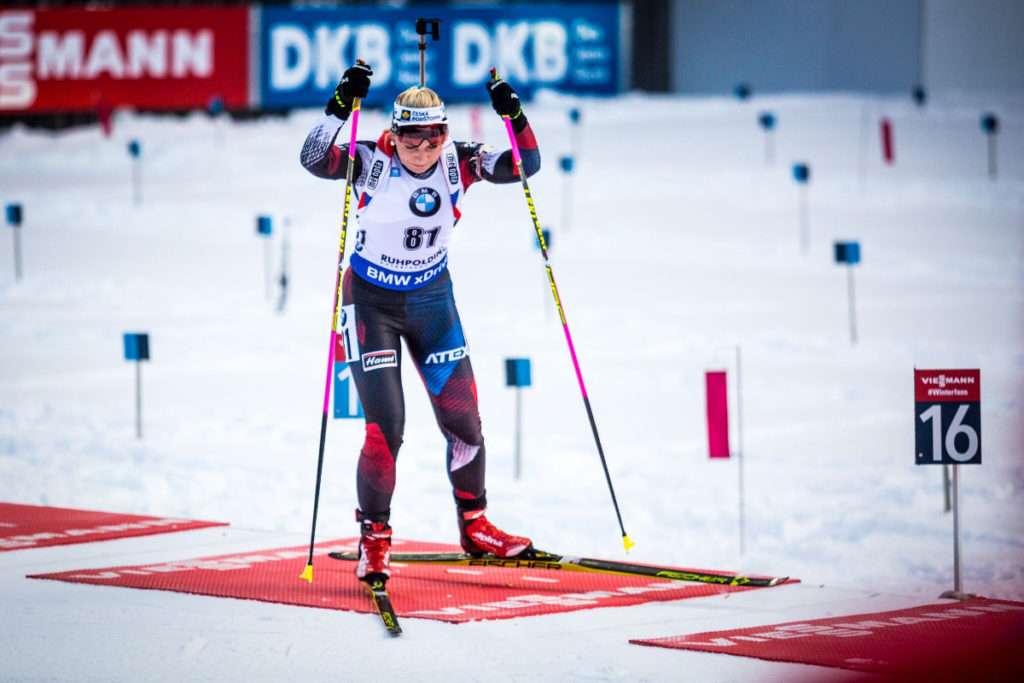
539 559
382 601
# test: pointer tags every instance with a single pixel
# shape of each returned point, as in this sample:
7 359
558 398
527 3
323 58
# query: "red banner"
887 148
32 526
718 414
973 640
83 60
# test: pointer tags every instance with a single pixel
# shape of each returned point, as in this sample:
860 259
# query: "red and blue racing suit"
397 286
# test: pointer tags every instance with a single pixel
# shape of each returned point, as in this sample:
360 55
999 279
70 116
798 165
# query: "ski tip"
627 543
307 573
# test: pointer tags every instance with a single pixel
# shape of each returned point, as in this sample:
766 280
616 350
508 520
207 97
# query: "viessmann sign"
160 58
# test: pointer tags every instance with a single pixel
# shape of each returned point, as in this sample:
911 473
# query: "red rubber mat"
32 526
452 594
978 639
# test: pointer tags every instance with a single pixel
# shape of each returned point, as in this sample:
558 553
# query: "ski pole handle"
516 156
422 26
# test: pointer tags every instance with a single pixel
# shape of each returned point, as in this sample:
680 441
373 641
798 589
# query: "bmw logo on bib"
425 201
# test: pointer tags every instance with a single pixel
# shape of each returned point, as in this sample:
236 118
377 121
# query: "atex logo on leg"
449 356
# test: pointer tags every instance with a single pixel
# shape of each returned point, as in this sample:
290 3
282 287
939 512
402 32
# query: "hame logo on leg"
375 360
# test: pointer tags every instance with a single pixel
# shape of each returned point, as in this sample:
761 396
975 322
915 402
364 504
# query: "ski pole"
422 25
561 314
307 573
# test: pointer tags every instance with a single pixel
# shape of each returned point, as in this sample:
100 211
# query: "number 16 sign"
948 417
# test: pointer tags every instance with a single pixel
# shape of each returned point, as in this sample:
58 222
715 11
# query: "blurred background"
70 62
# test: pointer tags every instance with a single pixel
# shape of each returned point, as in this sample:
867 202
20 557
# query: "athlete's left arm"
478 161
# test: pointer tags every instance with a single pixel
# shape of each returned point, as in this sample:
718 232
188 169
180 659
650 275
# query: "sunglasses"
432 134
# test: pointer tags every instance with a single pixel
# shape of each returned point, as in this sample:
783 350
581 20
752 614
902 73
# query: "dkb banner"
573 48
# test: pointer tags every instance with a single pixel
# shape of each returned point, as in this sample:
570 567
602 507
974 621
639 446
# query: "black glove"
355 82
504 99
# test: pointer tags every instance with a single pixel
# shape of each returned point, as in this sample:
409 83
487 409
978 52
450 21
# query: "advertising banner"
156 58
947 417
570 48
717 400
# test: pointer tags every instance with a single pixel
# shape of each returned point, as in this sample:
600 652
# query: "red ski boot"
374 551
480 536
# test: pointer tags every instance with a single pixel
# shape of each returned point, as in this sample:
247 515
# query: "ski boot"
479 536
374 550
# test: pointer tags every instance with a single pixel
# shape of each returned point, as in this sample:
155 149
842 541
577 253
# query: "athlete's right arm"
319 154
321 157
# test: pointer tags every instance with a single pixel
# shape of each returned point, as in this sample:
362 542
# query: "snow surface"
681 243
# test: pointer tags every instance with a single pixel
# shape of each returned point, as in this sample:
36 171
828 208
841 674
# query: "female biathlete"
410 184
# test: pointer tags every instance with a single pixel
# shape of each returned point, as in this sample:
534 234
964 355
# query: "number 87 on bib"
947 417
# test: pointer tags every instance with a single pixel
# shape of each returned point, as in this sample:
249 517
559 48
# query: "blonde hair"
418 98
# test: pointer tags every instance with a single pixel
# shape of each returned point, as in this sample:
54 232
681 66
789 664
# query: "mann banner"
157 58
571 48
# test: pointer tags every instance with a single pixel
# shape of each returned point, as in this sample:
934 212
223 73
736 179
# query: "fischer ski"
539 559
379 592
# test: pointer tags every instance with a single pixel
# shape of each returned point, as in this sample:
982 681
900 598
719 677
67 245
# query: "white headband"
418 116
